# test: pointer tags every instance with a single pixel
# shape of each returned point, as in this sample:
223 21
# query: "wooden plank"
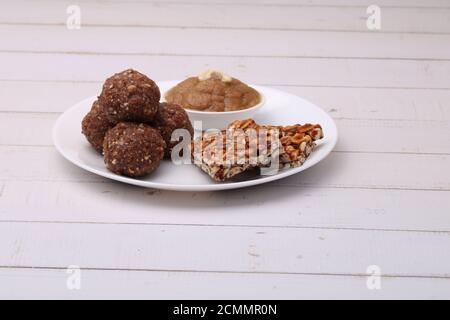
44 96
237 249
377 103
110 284
226 16
262 206
393 136
353 103
358 135
306 3
222 42
344 170
38 128
274 71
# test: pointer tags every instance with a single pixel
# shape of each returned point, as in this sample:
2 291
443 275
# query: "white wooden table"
381 199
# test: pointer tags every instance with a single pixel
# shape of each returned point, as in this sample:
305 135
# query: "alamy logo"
73 281
374 277
373 21
73 21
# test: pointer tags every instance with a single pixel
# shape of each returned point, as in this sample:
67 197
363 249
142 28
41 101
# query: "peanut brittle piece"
224 154
297 141
245 145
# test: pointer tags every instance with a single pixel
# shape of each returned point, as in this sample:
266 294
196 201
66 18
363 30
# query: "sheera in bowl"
215 99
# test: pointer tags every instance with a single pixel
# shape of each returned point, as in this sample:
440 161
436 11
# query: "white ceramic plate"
281 108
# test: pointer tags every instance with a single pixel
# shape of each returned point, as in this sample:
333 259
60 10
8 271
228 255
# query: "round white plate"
281 108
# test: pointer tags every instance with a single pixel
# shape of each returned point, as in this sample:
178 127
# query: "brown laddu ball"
169 118
95 125
130 96
133 149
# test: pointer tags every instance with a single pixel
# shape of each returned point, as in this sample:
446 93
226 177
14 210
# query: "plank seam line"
261 84
359 275
273 184
6 145
394 152
149 54
352 87
334 151
57 113
270 5
222 28
224 225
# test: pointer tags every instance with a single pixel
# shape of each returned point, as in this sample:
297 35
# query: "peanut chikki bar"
245 145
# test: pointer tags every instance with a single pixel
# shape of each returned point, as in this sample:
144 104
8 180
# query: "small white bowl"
220 119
